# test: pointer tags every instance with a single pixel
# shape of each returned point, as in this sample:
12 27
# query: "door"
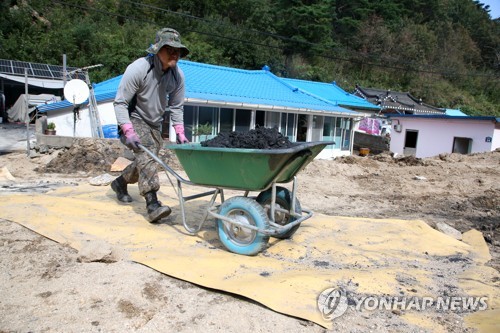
302 128
411 139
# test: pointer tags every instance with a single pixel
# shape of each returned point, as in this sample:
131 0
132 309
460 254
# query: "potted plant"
204 130
51 129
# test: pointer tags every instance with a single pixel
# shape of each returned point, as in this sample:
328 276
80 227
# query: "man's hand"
181 137
129 137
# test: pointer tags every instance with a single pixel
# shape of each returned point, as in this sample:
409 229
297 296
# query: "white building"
431 135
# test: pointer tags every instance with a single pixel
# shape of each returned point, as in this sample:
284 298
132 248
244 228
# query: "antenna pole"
64 71
95 120
94 112
27 100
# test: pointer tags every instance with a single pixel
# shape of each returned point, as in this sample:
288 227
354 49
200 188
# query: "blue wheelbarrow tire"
283 200
238 239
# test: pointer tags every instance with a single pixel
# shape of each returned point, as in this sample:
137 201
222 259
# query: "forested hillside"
446 52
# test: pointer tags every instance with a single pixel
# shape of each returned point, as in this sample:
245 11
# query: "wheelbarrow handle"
164 165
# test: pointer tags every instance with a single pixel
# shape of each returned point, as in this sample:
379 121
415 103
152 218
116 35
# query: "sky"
494 7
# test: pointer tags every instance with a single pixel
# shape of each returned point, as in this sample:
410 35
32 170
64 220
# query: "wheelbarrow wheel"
239 239
284 201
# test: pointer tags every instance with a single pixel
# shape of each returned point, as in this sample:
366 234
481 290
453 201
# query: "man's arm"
129 85
176 100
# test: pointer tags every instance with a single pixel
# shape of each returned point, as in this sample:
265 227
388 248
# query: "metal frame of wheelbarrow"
211 210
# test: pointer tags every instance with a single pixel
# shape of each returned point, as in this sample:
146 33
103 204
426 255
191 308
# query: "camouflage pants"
144 169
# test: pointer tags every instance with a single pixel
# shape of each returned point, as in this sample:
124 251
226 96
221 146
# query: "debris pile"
86 155
259 138
95 156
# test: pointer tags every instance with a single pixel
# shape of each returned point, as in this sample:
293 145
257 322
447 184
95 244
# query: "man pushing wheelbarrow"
244 222
150 86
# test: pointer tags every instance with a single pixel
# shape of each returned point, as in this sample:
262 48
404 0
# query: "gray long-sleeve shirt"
155 90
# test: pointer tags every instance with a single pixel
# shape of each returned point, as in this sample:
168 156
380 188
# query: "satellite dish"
76 91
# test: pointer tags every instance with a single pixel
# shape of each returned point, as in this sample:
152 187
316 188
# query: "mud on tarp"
389 257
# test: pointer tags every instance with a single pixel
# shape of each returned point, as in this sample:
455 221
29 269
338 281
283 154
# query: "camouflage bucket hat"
170 37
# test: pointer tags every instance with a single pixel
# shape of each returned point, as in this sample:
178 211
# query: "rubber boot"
155 210
120 187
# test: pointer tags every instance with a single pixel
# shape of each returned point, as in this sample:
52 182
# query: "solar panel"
57 71
19 67
41 70
5 66
15 67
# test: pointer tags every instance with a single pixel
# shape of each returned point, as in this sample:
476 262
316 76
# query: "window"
272 119
337 137
329 130
328 127
260 118
317 130
226 120
207 115
302 128
288 125
243 119
189 113
462 145
346 128
341 133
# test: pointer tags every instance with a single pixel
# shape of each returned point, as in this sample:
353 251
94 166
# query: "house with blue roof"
231 99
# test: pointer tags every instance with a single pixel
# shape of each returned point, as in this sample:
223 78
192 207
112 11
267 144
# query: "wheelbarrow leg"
182 201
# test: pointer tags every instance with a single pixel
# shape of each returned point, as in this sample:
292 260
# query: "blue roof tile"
333 93
455 112
258 87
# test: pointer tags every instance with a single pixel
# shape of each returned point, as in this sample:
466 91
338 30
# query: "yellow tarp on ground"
375 254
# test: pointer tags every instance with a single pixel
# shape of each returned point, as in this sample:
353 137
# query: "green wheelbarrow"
245 223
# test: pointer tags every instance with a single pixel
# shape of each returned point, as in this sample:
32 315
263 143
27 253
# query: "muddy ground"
49 283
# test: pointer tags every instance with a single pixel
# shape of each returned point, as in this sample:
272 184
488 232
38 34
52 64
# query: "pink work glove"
129 137
181 137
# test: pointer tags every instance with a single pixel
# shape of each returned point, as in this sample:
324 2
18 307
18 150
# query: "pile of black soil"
259 138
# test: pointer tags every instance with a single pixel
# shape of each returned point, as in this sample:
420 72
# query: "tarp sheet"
18 111
326 251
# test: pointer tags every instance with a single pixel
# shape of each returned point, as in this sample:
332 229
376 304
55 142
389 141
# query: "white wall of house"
496 137
64 120
436 136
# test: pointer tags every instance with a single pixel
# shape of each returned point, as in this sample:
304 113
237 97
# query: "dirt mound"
95 156
357 160
410 161
490 201
86 154
259 138
383 157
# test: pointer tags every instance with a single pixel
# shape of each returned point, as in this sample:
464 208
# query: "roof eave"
266 107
